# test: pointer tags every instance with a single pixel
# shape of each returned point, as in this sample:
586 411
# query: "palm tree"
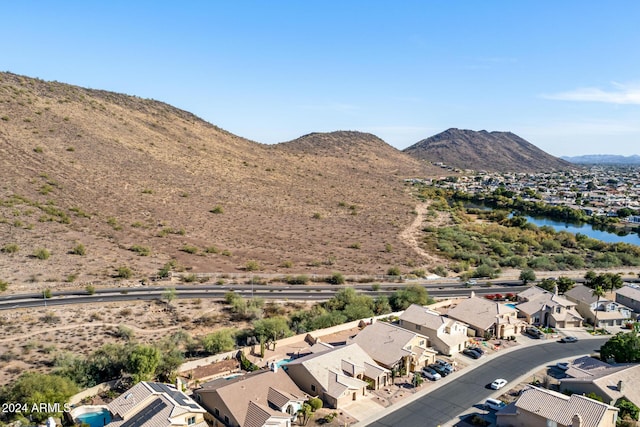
597 292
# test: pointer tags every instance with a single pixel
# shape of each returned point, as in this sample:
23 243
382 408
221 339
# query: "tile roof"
386 343
581 293
607 378
236 393
258 415
630 291
423 316
560 408
320 364
479 312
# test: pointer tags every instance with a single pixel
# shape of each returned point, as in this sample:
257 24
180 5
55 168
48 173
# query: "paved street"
445 403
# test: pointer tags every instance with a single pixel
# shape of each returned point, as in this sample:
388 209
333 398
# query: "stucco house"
538 407
629 296
339 375
151 404
610 313
611 382
541 307
394 347
486 317
446 335
260 398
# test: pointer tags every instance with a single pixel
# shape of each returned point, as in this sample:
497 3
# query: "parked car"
439 369
494 404
562 365
568 339
498 384
429 373
446 365
477 350
471 353
534 332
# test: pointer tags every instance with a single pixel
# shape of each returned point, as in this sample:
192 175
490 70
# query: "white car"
562 365
430 374
498 384
494 404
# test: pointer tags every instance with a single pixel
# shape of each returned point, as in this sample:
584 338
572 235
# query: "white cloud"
620 94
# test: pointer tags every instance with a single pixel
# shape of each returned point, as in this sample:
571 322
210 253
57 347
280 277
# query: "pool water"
95 419
281 363
511 305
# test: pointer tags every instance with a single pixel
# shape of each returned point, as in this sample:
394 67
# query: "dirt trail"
411 235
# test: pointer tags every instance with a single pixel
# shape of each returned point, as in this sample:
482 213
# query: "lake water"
585 229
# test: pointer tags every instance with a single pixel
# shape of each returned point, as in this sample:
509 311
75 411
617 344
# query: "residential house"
260 398
394 347
611 382
540 307
339 375
446 335
538 407
150 404
486 317
629 296
610 313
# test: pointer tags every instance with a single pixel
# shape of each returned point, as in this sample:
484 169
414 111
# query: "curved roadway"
445 403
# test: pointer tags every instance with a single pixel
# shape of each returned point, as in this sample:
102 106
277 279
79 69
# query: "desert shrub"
4 285
42 253
355 245
252 265
124 272
140 250
394 271
297 280
189 249
10 248
335 279
79 249
217 210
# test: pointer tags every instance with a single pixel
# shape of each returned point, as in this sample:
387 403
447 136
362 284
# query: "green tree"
527 275
272 328
597 292
622 348
315 403
33 388
219 341
142 362
565 284
417 379
548 284
305 413
627 408
413 294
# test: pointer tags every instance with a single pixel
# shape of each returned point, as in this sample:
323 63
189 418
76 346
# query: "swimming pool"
95 418
511 305
281 363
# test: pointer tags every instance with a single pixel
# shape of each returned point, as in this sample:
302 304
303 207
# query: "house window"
418 327
226 420
313 387
217 411
421 342
191 421
558 309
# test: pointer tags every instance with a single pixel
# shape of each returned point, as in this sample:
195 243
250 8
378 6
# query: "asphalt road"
297 293
448 401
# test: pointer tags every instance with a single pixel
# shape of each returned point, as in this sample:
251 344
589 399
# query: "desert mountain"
482 150
136 183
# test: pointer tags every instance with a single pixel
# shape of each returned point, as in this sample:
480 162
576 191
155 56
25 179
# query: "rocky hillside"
94 182
482 150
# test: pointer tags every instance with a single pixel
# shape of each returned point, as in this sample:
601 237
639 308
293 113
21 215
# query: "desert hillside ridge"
100 187
485 151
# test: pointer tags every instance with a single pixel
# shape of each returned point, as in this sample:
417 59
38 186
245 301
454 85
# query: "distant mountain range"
482 150
603 159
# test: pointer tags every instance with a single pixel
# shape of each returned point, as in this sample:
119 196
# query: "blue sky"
564 75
